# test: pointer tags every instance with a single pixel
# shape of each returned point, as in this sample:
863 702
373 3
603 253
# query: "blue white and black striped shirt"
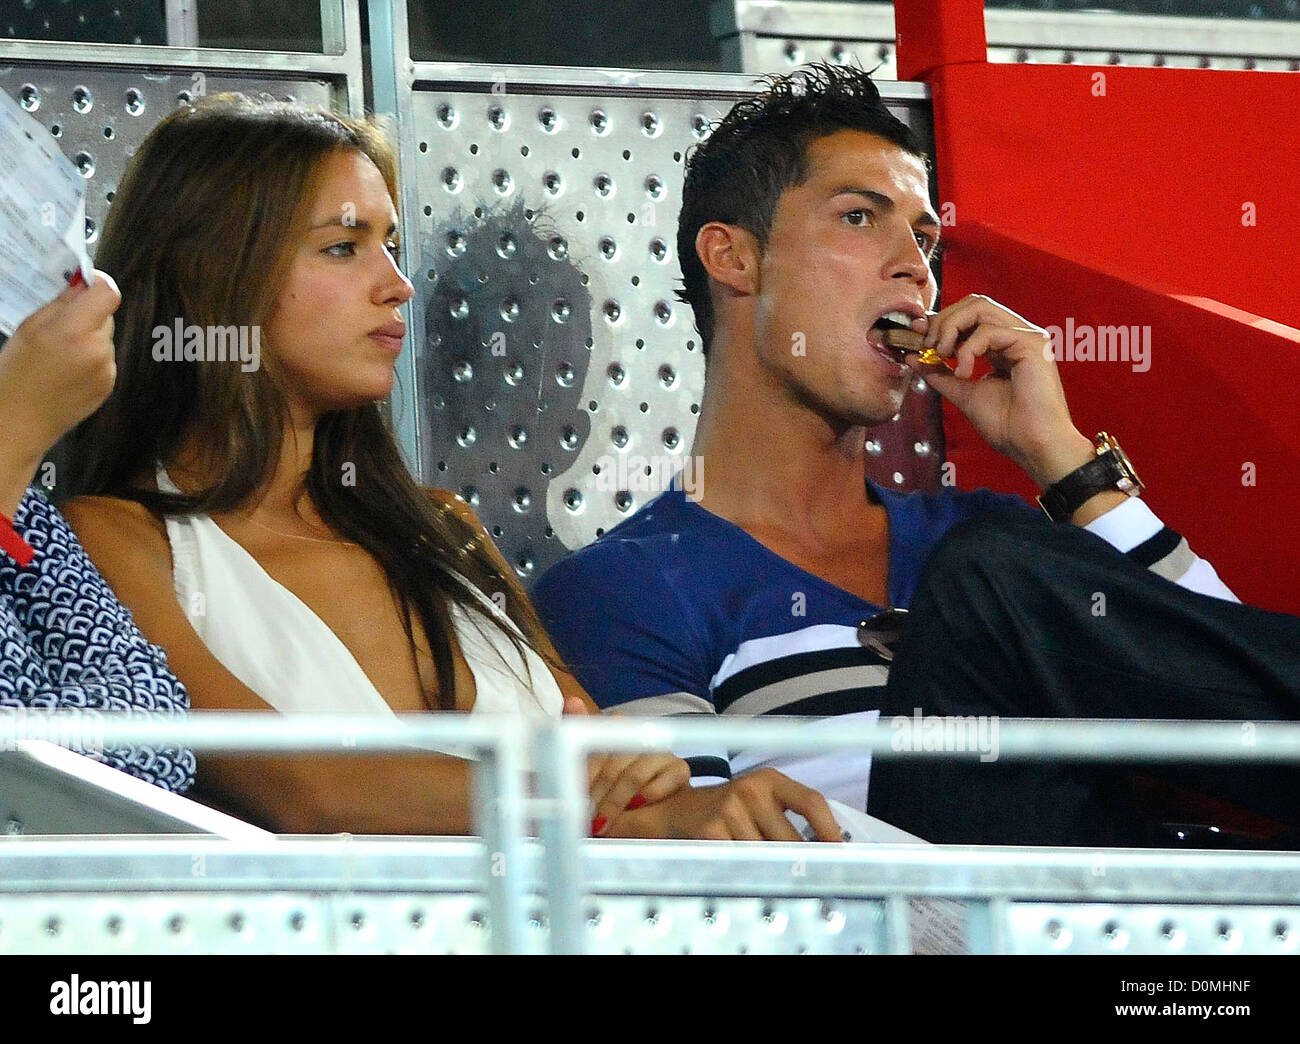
678 611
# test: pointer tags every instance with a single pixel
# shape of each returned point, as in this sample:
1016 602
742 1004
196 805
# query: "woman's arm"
570 687
395 794
613 780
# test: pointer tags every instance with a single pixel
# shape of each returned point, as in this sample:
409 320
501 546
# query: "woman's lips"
393 344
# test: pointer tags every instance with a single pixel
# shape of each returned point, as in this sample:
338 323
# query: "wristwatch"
1109 469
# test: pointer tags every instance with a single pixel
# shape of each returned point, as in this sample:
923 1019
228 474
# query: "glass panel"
631 34
85 21
281 25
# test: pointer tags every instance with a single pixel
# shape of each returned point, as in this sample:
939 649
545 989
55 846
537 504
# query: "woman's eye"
348 248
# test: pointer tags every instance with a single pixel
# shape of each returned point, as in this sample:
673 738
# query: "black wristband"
1063 498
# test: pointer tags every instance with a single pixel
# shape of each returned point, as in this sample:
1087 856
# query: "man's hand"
751 807
1020 407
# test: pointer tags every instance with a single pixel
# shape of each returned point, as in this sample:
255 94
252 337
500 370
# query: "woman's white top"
269 639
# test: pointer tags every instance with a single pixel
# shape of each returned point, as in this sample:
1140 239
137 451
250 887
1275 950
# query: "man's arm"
628 639
1133 529
1021 411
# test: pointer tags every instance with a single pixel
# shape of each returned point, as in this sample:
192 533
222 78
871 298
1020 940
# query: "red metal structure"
1105 196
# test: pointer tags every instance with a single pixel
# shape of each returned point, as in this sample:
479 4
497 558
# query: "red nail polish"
637 801
597 825
77 279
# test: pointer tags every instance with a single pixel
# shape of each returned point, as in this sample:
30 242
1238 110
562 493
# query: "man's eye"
858 218
349 246
924 242
395 249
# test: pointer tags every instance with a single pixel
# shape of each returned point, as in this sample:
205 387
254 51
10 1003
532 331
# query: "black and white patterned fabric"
66 643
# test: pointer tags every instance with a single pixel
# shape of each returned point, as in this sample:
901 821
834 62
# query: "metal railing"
570 867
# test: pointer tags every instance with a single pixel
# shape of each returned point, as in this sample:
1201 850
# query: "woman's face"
335 331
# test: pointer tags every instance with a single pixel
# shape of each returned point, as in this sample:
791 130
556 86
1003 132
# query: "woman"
67 644
250 503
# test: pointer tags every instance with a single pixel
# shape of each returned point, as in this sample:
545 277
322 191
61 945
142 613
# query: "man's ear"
730 256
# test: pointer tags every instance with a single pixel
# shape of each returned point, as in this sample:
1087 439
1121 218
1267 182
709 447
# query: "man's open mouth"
889 321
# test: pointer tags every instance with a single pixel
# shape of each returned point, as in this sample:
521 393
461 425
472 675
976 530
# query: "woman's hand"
621 783
751 807
55 371
649 795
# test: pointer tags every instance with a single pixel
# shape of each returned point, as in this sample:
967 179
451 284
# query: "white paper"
42 217
938 926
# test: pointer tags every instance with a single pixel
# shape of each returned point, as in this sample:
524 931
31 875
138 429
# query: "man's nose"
910 262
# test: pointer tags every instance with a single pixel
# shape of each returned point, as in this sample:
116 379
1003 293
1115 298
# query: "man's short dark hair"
760 149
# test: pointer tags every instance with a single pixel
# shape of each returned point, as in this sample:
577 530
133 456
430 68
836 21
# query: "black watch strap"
1062 499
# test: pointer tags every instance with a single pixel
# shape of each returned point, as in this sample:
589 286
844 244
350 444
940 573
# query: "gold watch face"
1129 481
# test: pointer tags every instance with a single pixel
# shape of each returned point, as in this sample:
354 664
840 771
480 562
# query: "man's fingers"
740 823
596 764
772 821
965 362
945 327
106 286
631 792
950 386
812 806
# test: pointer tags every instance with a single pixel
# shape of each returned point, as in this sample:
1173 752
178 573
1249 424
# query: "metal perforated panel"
767 37
665 925
782 54
232 922
412 895
100 116
415 922
1120 928
560 379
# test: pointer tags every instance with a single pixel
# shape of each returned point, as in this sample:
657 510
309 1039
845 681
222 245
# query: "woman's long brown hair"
202 228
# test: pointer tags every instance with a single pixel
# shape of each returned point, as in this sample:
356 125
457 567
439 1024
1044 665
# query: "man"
806 229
